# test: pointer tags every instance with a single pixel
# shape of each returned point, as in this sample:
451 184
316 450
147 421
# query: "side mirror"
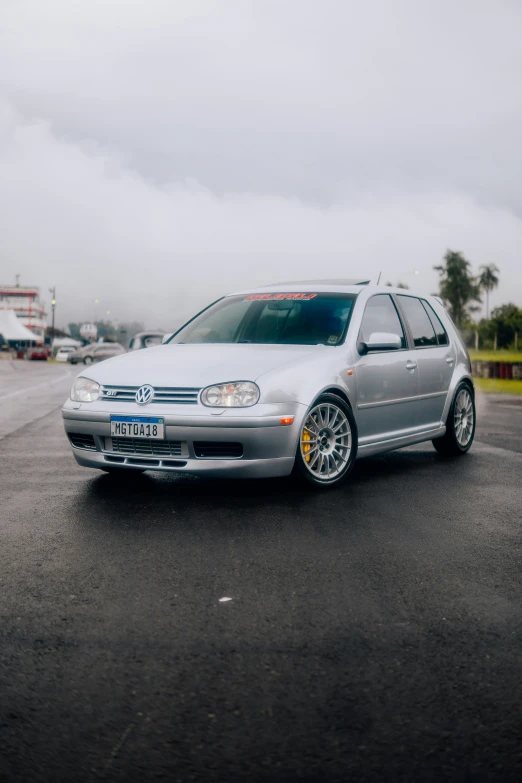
383 341
166 337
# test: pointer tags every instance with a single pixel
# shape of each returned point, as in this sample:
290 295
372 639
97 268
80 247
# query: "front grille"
212 450
167 394
156 448
81 441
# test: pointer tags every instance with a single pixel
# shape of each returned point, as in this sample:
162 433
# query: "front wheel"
87 360
327 445
460 426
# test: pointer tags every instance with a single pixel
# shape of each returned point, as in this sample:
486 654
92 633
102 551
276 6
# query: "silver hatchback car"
295 378
95 352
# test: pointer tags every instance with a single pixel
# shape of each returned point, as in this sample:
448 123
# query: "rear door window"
422 331
442 335
381 316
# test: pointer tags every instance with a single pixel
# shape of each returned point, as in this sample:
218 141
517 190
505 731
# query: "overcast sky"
160 153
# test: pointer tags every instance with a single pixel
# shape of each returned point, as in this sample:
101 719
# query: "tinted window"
381 316
442 337
276 318
420 325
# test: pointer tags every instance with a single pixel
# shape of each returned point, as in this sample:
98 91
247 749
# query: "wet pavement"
374 632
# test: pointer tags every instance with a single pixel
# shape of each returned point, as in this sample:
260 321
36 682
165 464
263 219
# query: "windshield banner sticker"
272 297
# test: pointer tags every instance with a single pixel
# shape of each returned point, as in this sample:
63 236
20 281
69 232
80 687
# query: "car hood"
196 365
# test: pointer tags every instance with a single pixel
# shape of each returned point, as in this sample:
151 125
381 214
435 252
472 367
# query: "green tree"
74 331
106 330
506 324
459 290
488 280
127 330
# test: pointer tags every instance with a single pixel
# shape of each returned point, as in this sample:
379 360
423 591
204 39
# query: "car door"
387 384
100 353
112 350
434 354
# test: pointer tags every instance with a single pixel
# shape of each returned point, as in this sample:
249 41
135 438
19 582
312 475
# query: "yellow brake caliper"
306 446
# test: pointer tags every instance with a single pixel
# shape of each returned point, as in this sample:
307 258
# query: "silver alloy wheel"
326 441
464 417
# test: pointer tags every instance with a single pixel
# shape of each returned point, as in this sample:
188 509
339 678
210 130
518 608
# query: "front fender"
304 383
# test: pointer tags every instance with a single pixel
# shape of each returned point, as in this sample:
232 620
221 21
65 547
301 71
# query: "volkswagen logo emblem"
144 395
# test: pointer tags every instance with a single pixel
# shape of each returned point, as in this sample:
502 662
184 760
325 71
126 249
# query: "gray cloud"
157 155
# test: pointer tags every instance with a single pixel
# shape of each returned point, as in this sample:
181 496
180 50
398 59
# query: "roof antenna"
377 283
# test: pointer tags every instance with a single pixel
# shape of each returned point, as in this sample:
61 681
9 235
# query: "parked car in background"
145 340
95 352
302 378
63 353
39 352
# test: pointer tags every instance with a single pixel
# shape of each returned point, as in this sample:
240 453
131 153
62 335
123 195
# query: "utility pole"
52 291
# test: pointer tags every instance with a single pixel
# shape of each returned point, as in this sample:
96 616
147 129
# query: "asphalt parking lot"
373 633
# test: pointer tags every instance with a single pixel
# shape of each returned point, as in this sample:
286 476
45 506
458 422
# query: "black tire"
87 360
341 451
452 443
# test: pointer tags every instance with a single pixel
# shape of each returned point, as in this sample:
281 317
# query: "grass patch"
496 356
498 386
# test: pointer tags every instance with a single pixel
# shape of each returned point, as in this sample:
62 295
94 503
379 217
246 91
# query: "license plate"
149 427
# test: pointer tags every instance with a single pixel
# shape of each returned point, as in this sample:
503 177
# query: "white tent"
59 342
12 329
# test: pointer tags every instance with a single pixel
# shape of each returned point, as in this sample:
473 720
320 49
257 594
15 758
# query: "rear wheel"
460 426
87 360
327 445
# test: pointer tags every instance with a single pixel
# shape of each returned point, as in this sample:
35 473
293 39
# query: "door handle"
411 365
450 359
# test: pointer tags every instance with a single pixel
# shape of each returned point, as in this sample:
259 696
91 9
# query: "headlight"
241 394
84 390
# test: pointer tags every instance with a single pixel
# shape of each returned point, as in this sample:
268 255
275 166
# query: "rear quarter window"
421 327
442 335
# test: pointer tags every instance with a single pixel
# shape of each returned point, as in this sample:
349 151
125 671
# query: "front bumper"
268 447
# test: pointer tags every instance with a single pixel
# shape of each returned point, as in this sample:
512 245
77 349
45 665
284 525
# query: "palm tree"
488 280
458 288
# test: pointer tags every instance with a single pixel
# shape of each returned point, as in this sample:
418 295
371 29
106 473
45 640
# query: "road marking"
225 598
34 388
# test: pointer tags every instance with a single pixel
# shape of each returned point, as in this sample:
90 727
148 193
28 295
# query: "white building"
25 301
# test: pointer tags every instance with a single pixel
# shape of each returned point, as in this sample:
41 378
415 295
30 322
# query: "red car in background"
39 352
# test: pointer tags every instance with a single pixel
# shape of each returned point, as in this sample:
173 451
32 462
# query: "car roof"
350 286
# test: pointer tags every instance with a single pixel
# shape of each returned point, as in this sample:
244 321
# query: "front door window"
381 316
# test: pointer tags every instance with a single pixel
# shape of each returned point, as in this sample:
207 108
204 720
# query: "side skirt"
368 449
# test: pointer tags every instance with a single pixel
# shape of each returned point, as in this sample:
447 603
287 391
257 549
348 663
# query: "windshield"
272 319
